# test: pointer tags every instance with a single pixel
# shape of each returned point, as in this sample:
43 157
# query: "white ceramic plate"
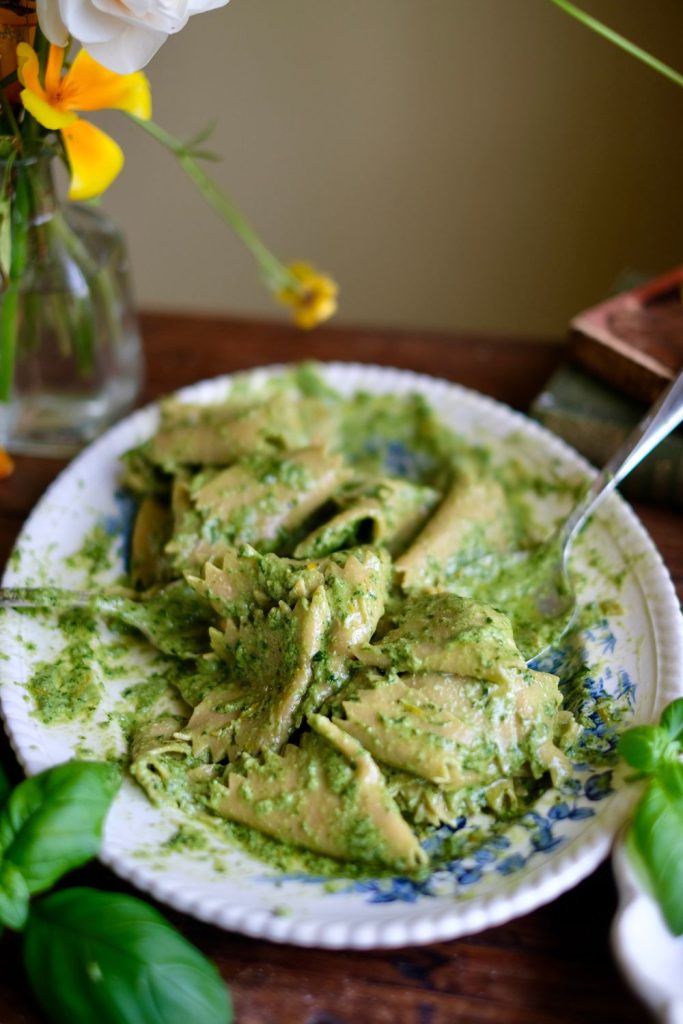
636 667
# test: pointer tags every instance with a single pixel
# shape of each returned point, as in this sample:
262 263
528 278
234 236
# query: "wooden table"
550 967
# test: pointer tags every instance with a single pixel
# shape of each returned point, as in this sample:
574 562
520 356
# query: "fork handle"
664 416
56 597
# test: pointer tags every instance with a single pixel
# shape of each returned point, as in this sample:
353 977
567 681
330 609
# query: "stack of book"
620 356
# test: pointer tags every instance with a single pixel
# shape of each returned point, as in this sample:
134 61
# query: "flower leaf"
53 822
110 958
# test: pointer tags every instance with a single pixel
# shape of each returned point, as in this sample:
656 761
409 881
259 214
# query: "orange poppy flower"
95 159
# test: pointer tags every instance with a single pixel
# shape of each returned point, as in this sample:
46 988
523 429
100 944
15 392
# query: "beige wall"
482 164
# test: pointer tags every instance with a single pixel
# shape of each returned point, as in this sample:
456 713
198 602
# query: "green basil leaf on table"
672 719
14 897
643 746
53 822
110 958
657 835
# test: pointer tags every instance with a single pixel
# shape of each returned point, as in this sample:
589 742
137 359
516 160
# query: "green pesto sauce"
528 588
145 696
586 705
97 553
288 858
380 435
69 686
187 838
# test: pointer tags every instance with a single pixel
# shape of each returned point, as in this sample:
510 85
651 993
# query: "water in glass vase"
70 352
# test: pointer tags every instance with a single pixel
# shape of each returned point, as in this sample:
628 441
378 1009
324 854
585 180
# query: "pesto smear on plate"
319 682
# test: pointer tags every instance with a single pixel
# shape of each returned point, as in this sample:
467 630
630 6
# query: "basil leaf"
53 821
14 897
643 746
657 833
672 719
110 958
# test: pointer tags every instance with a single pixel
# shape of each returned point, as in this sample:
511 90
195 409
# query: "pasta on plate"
332 688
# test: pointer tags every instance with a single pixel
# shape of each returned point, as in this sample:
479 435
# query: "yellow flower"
94 158
316 298
6 464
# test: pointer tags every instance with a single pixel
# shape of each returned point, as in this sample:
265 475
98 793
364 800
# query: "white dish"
636 658
648 954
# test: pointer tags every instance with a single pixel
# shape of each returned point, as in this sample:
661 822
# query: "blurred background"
486 165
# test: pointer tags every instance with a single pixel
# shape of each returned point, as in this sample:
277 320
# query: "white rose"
121 34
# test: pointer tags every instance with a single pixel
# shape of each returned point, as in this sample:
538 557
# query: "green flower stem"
22 315
55 307
41 45
620 41
32 310
101 285
277 276
8 340
9 304
83 326
8 113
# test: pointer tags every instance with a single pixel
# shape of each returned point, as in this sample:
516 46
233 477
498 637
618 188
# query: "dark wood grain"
550 967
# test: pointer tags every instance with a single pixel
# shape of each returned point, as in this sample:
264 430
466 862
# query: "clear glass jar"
70 351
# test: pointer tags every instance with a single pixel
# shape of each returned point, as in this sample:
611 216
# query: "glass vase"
70 351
